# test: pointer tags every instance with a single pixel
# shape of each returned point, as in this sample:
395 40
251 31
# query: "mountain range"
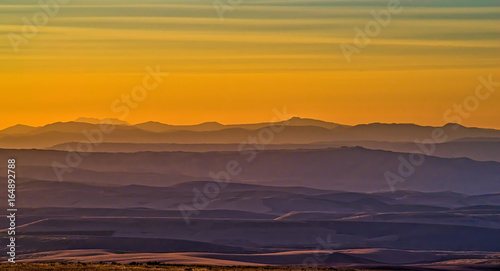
297 131
252 194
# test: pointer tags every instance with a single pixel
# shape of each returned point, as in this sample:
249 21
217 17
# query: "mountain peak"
18 129
453 125
298 121
213 123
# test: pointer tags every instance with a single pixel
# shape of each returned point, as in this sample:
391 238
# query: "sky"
235 61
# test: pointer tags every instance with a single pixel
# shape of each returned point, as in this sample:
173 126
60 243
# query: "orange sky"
261 56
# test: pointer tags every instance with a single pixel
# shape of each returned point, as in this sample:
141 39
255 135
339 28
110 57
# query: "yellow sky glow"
263 55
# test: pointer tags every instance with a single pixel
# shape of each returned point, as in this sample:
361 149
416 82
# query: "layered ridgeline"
308 192
449 141
347 168
245 224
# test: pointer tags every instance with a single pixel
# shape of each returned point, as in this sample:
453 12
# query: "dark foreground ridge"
154 266
167 267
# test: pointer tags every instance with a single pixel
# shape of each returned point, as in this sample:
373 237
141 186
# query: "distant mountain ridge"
481 150
350 169
298 131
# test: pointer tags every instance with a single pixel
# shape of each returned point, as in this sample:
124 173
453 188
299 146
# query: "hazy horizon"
243 123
